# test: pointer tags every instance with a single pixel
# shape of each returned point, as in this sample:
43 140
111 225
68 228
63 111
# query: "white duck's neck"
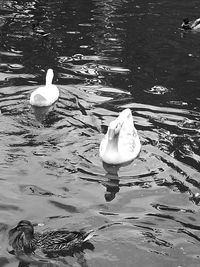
49 77
112 145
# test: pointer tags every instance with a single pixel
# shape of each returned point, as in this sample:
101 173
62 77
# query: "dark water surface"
106 55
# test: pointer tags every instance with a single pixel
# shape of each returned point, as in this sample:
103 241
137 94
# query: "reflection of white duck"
45 95
121 143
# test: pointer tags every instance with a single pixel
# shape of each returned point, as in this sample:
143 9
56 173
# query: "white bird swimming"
121 143
46 95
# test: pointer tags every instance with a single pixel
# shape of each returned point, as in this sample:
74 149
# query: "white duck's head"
123 121
114 130
49 77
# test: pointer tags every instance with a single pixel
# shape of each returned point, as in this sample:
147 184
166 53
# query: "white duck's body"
121 143
46 95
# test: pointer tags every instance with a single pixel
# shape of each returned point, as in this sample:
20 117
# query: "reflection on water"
107 56
41 112
111 182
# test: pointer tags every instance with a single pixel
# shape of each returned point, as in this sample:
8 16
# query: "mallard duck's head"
24 226
21 235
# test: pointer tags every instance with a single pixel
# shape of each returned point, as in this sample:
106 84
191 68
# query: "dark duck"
191 25
23 240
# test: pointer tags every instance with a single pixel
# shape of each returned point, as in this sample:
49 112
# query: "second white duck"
121 143
46 95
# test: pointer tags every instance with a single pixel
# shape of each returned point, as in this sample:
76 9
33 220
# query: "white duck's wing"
103 145
44 96
40 90
37 96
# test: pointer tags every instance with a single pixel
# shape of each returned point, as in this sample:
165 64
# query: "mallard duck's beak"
13 234
10 250
13 231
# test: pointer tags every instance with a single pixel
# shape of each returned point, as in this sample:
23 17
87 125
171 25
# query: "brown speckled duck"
22 239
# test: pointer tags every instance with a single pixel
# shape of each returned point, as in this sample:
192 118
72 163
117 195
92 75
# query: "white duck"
46 95
121 143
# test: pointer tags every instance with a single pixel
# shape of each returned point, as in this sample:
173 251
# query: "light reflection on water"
105 59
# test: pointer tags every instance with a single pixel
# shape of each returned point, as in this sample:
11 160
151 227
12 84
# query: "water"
106 55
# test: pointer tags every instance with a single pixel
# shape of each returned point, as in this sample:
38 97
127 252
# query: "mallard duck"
46 95
191 25
121 143
22 239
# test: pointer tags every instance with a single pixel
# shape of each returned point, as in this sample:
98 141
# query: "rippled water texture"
107 55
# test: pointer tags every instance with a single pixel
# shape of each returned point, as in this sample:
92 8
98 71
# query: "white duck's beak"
118 127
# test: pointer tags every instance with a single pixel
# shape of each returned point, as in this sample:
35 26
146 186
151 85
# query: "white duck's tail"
91 233
49 77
